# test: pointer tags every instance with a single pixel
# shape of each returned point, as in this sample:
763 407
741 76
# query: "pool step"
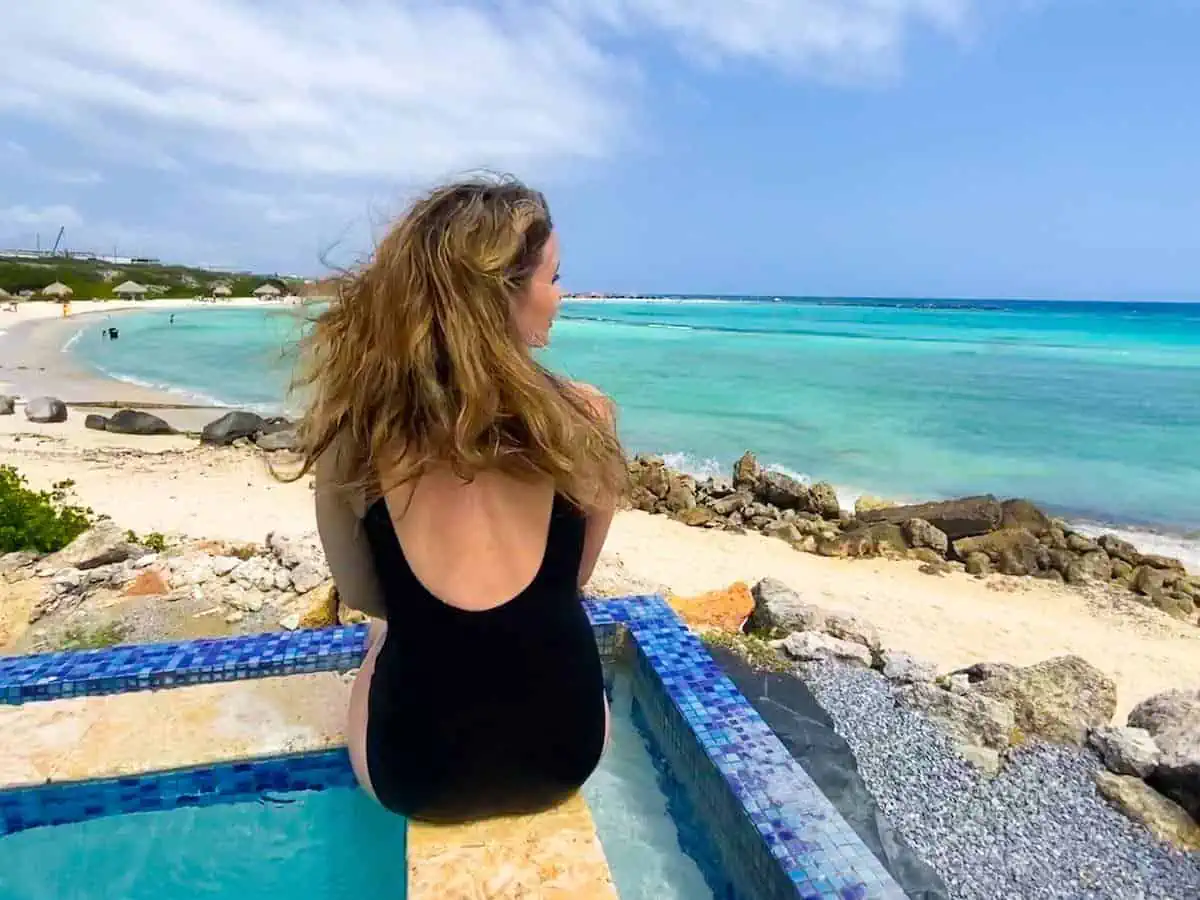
554 855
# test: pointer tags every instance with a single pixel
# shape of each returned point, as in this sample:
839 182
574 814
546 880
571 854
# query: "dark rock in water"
273 441
1023 514
783 491
808 733
132 421
96 422
7 405
1173 720
231 426
968 517
46 409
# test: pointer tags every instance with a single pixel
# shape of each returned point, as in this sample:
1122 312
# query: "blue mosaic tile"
231 782
53 676
779 837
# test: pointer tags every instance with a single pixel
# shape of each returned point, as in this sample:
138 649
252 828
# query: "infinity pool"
337 845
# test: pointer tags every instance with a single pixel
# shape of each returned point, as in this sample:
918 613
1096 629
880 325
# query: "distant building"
130 290
57 289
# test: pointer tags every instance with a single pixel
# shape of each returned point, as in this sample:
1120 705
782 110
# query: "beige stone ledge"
555 855
146 731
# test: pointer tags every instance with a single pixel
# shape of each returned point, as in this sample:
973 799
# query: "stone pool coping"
778 836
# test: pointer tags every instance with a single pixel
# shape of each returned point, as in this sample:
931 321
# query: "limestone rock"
1013 551
1078 543
746 472
100 545
1092 567
45 410
256 572
957 518
969 718
247 600
232 426
718 486
1126 751
1059 700
291 621
823 500
308 575
1023 514
1150 582
319 607
866 503
680 498
1164 819
979 565
17 560
809 646
904 668
223 565
1169 563
1119 549
879 539
779 609
920 533
8 405
190 569
783 491
274 441
852 629
726 608
131 421
1173 719
95 422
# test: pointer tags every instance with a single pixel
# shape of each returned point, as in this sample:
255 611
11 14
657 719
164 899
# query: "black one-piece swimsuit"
478 714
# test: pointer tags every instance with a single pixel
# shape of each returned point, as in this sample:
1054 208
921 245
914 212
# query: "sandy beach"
172 486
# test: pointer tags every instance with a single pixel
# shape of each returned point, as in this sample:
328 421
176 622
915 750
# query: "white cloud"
22 218
399 89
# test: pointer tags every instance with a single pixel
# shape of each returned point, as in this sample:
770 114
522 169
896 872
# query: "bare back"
473 545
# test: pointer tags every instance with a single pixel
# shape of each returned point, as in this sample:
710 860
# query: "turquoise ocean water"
1092 409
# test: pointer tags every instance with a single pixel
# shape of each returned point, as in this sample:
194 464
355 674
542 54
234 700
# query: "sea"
1090 409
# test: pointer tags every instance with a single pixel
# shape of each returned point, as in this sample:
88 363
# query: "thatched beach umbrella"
221 290
267 290
130 290
57 289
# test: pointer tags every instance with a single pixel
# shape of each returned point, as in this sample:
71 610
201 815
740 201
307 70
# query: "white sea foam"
70 342
1184 547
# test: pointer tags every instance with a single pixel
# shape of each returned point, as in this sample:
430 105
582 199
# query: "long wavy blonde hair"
419 361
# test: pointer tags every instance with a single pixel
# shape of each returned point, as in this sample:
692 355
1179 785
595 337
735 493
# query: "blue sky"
1000 148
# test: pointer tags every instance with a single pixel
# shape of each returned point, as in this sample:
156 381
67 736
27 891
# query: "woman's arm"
600 514
344 540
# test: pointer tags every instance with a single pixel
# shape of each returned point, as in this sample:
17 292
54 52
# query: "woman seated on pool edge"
463 494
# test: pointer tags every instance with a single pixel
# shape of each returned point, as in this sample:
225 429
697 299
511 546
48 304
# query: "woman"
463 494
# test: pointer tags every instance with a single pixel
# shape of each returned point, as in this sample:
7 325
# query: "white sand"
169 485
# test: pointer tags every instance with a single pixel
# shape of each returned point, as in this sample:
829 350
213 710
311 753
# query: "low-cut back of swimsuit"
477 714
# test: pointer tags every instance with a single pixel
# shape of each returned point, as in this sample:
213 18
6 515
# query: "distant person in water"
113 334
172 321
463 494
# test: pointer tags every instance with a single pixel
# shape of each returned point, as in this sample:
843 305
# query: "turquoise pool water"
338 845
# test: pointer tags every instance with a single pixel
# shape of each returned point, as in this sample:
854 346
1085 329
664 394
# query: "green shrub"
37 520
95 638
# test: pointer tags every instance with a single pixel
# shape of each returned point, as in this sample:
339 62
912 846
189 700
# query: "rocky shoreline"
980 535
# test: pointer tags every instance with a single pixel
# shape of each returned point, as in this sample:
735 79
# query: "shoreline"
44 365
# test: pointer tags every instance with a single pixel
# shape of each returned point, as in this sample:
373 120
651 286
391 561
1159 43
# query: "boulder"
17 560
100 545
785 531
823 500
730 504
1178 606
45 409
746 472
879 539
920 533
680 497
1166 820
230 427
319 607
1169 563
778 609
1125 750
1173 720
697 516
657 480
1023 514
814 646
1091 567
718 486
866 503
132 421
1059 700
1150 582
964 518
904 668
1013 551
969 718
96 422
1078 543
784 491
1119 549
255 572
8 405
979 565
192 569
1122 572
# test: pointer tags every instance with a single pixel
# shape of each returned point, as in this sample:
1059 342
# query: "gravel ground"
1038 830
